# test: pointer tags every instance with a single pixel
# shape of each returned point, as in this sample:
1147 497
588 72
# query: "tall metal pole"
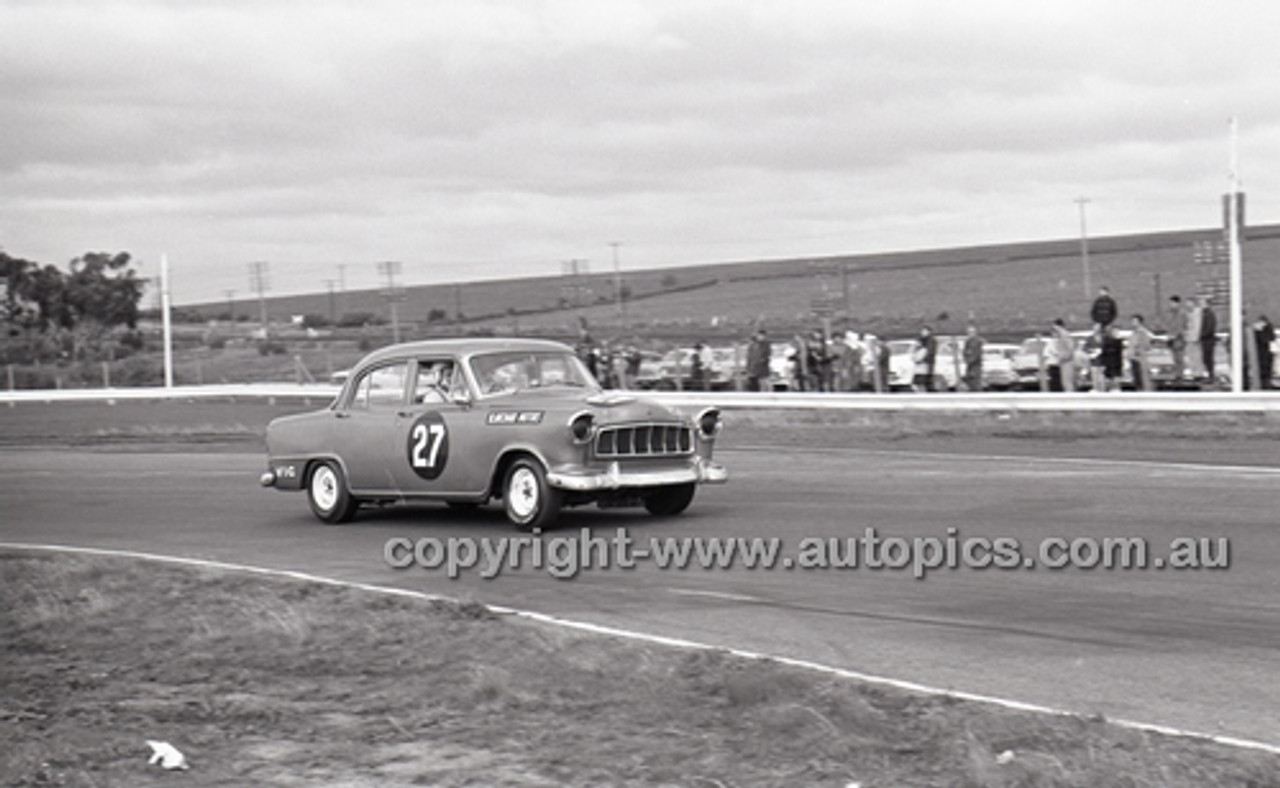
231 305
1237 266
333 311
389 269
1084 247
165 321
259 283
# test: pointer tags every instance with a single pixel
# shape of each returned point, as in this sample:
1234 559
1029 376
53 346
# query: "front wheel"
670 501
327 493
529 500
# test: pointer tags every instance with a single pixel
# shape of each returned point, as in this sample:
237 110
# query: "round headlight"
709 422
582 427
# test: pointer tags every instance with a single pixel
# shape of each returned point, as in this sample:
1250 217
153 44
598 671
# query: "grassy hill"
1009 290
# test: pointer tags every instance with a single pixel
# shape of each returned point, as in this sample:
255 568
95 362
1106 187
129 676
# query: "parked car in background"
674 370
998 371
947 366
650 374
902 364
1036 354
782 366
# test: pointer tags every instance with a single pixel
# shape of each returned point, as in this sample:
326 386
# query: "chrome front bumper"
613 477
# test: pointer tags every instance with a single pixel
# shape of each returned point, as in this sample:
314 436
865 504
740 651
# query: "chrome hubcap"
324 488
522 493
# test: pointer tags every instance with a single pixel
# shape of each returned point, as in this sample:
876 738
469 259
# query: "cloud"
509 135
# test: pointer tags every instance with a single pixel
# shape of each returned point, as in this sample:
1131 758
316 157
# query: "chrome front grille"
644 440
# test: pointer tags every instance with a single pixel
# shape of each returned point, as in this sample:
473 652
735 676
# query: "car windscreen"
511 371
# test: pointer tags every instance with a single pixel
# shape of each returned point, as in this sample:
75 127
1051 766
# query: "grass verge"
264 681
243 422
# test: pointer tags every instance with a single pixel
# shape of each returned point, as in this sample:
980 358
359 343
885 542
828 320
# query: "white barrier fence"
223 391
1128 401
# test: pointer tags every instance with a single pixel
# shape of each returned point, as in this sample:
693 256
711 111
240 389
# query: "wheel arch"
503 463
310 463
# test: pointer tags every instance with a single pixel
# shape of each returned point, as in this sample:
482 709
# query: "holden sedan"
472 420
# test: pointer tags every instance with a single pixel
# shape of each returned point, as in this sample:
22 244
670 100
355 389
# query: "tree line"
90 309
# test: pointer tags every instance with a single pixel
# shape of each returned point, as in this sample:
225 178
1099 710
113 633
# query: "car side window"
435 381
381 387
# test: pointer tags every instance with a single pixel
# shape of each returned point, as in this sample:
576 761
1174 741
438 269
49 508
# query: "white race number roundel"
428 445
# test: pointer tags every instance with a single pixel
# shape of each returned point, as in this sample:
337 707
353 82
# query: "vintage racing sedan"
469 420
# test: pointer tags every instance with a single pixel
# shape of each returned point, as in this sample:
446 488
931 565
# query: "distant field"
1009 290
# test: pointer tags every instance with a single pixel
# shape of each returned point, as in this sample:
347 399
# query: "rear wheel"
670 501
327 493
529 500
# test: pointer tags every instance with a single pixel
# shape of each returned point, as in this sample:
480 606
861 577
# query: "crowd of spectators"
1114 352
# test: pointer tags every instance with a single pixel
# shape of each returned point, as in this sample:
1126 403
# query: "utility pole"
1084 247
260 283
333 310
389 269
573 269
231 305
1235 231
457 303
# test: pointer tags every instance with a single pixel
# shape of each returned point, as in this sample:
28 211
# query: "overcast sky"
476 139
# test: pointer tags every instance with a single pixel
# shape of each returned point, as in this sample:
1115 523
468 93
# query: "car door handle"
405 414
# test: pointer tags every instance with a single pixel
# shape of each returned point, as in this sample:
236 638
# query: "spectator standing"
874 351
1263 335
634 359
972 354
1104 308
586 350
799 365
698 371
819 360
1208 337
758 353
1178 322
1112 357
851 362
925 356
1064 350
604 365
1093 350
884 361
1138 350
1195 358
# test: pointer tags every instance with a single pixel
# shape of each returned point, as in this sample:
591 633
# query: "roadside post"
1043 373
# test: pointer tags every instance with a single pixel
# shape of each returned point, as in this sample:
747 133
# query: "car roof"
466 346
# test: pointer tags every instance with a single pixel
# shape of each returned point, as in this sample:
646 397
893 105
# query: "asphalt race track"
1189 648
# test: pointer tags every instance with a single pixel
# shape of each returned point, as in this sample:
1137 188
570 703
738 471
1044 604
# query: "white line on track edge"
909 686
920 454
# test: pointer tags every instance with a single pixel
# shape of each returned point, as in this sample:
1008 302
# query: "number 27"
428 438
